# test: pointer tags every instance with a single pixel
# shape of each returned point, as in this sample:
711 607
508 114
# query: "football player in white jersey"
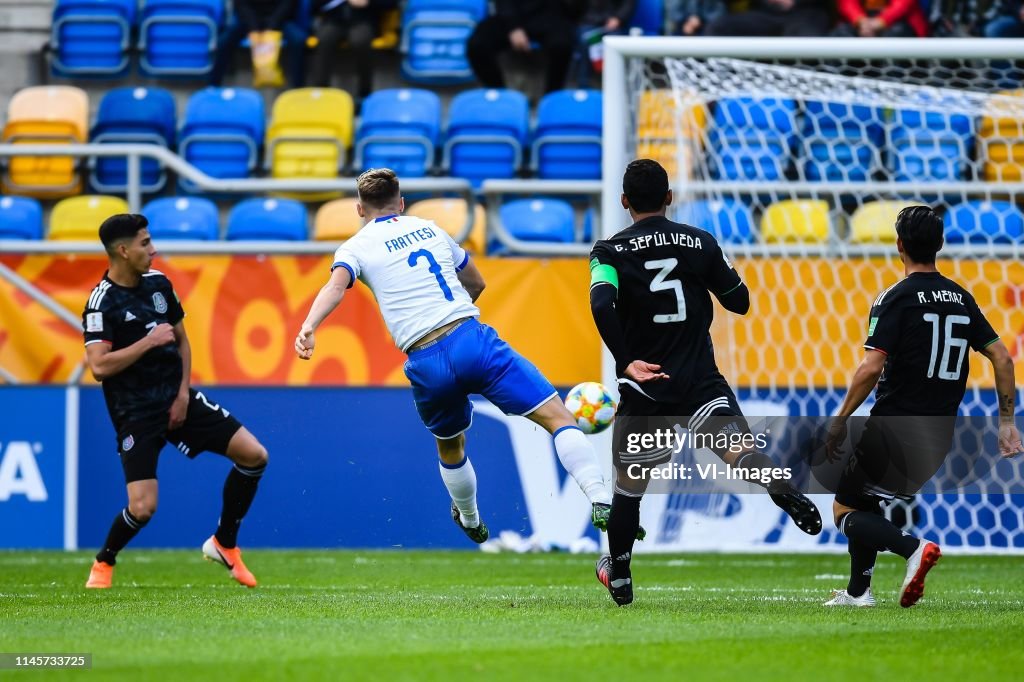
426 285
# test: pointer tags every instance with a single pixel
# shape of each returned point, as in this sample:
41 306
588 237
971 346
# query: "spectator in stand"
252 16
602 17
881 19
358 22
692 17
515 23
789 18
1006 21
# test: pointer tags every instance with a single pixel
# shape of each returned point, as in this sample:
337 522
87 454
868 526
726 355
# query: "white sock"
580 460
460 479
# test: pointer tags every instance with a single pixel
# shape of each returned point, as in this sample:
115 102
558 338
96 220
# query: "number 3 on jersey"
660 283
435 268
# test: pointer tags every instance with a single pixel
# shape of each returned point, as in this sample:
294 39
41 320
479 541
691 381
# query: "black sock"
757 461
878 533
862 565
122 530
239 491
623 522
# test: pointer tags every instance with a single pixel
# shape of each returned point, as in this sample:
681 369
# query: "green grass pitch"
383 615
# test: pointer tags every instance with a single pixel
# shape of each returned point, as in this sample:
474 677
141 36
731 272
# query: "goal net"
799 165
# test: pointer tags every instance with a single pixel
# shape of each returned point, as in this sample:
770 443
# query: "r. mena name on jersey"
664 239
409 238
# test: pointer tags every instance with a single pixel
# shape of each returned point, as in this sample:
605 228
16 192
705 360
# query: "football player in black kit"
136 346
916 352
650 295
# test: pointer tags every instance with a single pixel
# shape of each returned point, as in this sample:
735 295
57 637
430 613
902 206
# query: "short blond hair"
378 188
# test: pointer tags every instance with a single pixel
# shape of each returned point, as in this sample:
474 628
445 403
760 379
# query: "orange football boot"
231 558
101 577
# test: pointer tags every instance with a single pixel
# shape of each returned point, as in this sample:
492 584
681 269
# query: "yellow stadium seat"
79 218
45 115
658 111
309 134
337 221
875 222
450 216
1001 137
804 221
668 154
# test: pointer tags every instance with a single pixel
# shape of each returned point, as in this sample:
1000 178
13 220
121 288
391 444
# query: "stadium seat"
310 131
54 114
337 221
267 220
132 115
875 222
752 138
20 218
730 220
1001 137
91 37
663 130
79 218
222 132
539 220
841 142
803 220
450 216
930 145
182 218
434 35
179 37
567 138
649 16
487 131
400 129
984 222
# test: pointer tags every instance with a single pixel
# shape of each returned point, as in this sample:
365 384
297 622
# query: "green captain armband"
599 272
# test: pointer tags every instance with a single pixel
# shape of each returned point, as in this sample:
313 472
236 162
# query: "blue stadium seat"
20 218
179 37
730 220
434 35
567 139
182 218
984 222
539 220
91 37
222 132
487 131
132 115
649 16
400 129
930 145
752 138
841 142
268 219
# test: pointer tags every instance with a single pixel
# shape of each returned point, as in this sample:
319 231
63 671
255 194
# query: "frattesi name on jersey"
662 239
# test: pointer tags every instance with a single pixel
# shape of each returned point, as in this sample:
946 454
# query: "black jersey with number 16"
924 325
666 274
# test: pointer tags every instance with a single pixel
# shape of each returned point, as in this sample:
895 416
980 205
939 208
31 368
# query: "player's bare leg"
142 500
460 479
577 456
250 461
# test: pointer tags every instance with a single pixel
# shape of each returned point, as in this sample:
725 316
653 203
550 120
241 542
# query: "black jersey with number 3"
667 272
924 324
120 316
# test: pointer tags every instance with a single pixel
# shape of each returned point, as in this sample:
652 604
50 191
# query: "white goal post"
798 153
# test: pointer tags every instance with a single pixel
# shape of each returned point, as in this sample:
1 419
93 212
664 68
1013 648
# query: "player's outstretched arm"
1006 391
861 385
323 305
105 363
472 280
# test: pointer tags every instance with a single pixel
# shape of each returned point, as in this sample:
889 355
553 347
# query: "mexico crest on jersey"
160 303
128 443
